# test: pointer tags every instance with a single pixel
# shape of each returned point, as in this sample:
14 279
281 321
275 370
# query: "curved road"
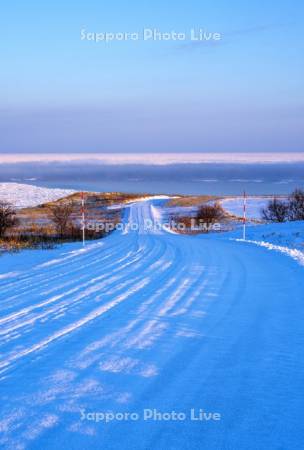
145 320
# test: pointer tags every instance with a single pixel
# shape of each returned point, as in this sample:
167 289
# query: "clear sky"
59 93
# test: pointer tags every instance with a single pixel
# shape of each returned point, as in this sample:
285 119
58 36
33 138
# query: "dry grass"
191 200
95 206
35 230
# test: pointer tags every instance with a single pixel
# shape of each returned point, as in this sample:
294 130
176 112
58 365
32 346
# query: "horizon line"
150 158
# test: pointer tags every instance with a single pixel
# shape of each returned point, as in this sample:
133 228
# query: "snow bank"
288 234
287 238
25 195
297 255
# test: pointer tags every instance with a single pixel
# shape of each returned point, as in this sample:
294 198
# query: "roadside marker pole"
244 216
83 219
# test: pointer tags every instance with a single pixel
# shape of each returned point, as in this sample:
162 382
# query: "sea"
159 177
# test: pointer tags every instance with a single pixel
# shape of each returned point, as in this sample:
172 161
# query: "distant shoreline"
156 158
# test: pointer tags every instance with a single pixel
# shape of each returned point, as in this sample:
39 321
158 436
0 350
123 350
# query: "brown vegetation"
190 200
61 216
52 223
8 218
208 217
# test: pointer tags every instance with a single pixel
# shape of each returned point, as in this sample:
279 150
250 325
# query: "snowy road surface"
147 320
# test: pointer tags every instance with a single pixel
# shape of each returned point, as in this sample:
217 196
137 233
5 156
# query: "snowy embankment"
286 238
25 195
297 255
287 234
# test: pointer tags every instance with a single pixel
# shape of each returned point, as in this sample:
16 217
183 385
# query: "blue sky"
61 94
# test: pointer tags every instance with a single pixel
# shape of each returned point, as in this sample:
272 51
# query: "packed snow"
150 323
26 195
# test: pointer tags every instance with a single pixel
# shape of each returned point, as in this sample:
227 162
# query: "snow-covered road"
149 319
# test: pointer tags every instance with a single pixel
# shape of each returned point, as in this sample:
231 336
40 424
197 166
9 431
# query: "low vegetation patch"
191 200
54 223
291 209
208 218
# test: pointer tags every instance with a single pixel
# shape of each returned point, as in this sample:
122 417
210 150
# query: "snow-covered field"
151 320
254 206
25 195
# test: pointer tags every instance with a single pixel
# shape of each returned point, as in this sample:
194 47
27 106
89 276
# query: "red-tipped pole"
244 215
83 219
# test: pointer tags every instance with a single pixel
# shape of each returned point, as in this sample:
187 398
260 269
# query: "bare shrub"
280 211
61 216
209 214
8 217
275 211
296 205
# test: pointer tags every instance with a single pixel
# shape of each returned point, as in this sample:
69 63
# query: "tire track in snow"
4 364
86 293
